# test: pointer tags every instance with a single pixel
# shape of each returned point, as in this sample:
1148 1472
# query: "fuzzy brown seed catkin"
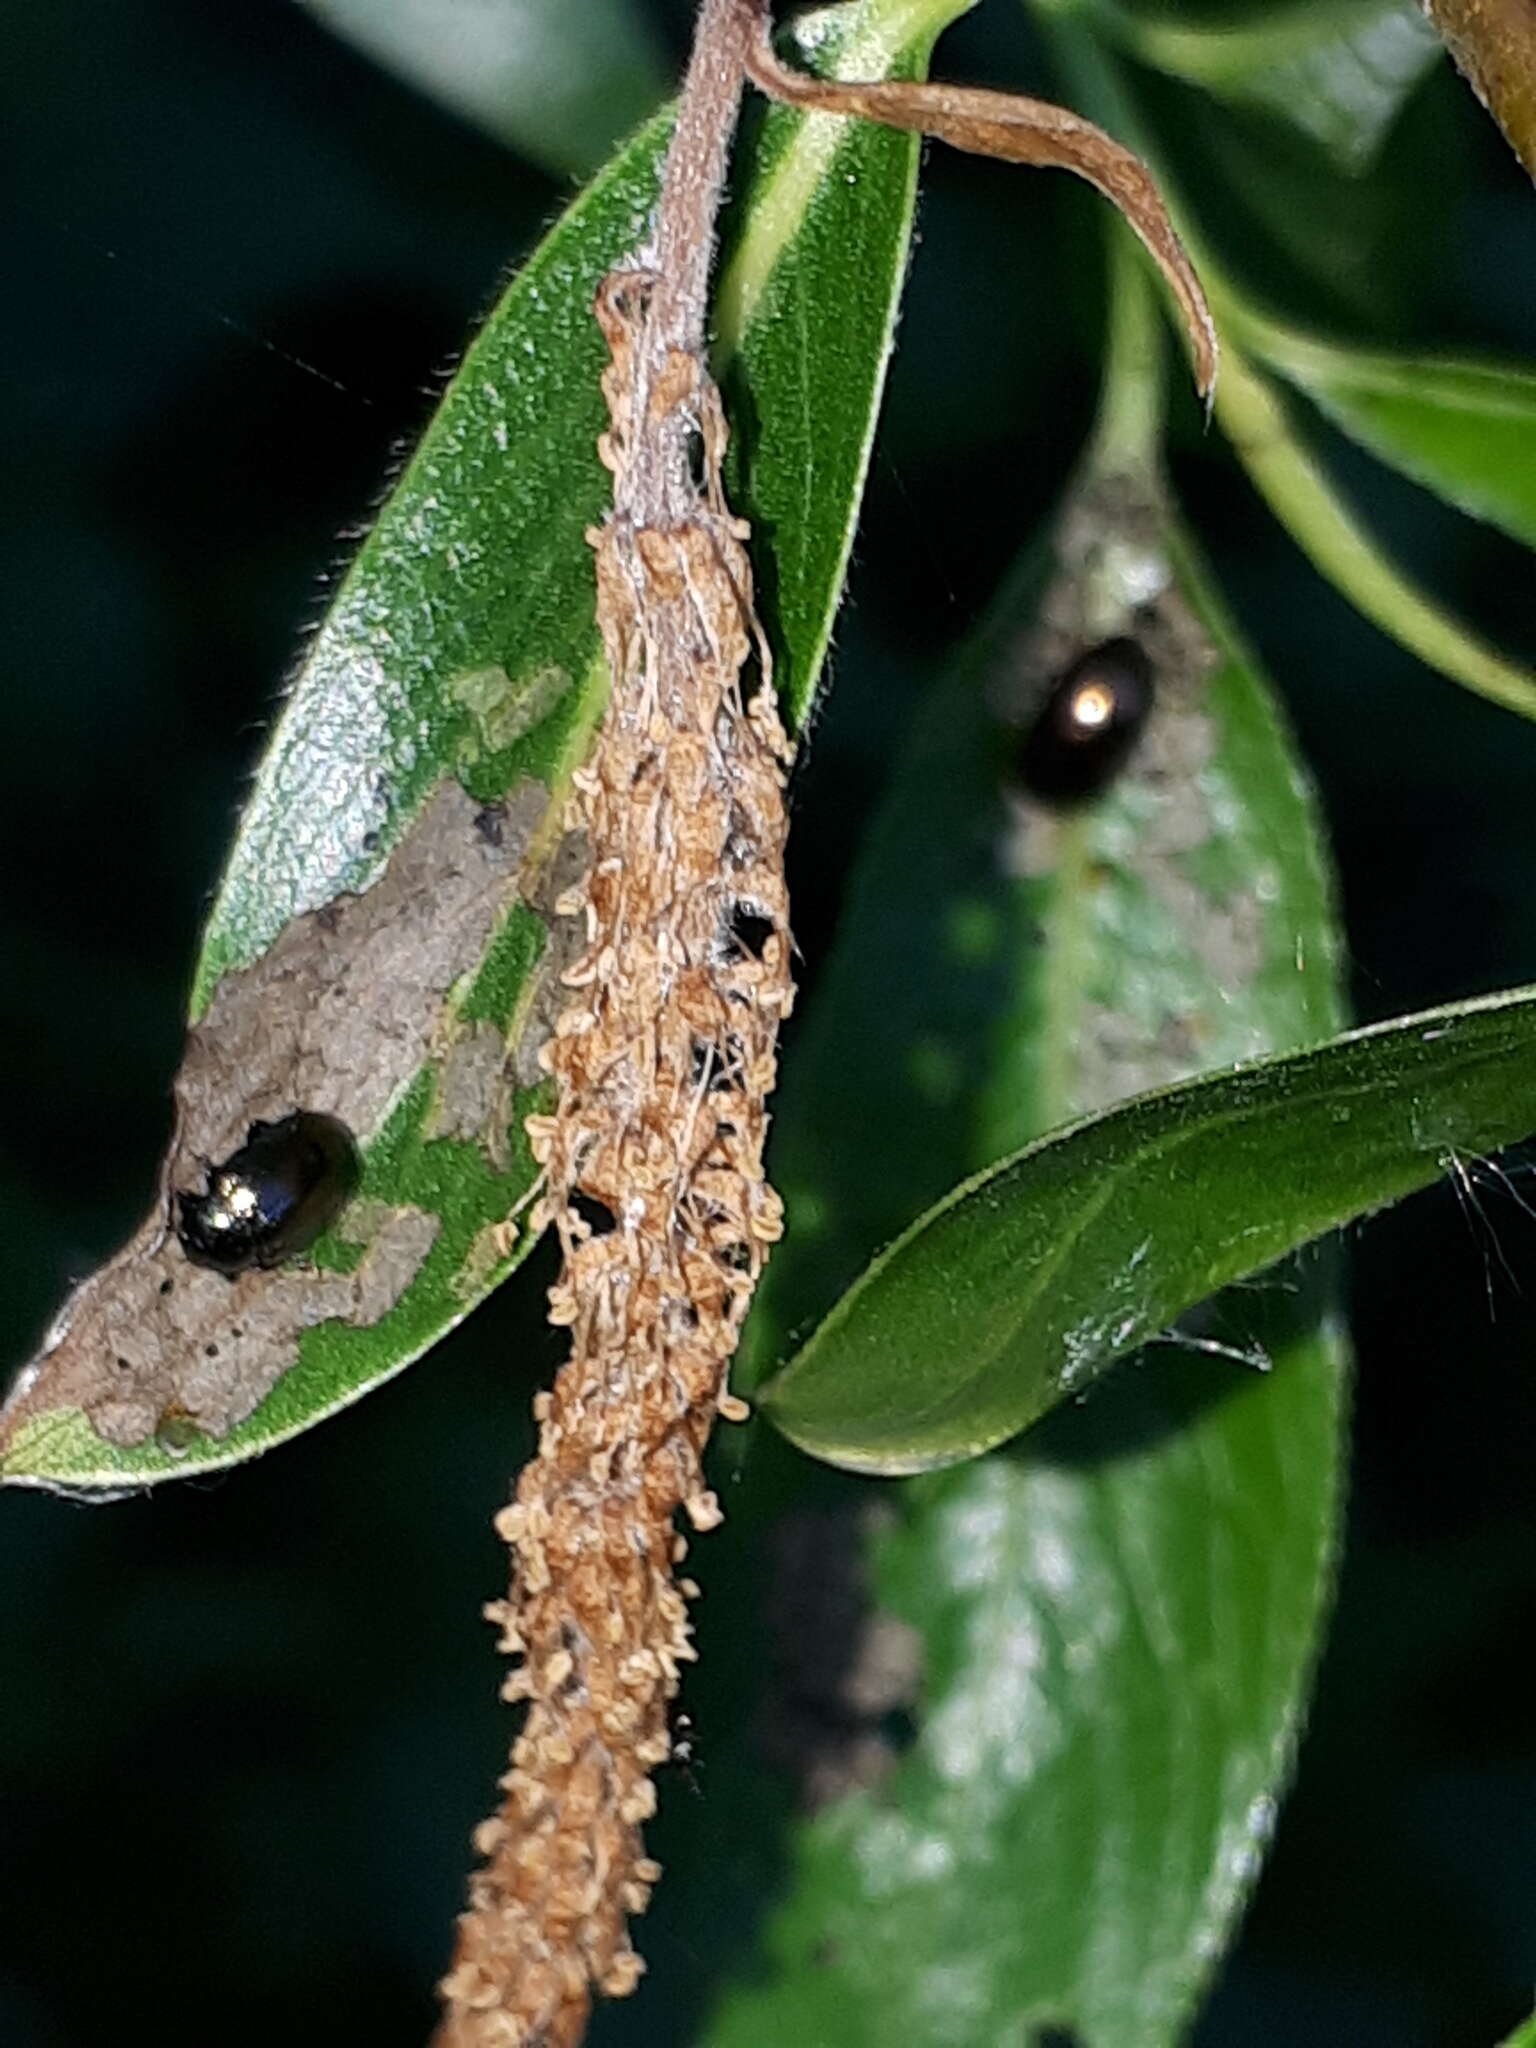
663 1062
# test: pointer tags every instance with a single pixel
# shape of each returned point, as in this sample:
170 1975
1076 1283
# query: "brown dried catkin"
664 1064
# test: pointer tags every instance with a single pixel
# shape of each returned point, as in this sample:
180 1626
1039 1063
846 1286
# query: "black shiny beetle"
270 1200
1084 731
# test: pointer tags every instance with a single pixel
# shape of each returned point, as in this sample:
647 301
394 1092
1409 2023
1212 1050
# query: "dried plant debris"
663 1062
655 1184
333 1021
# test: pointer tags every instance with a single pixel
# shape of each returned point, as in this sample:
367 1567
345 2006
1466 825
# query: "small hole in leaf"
898 1730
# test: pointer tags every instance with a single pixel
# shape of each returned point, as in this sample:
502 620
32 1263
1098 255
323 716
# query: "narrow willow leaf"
557 83
1339 545
1026 1283
430 733
1466 430
1340 73
1085 1796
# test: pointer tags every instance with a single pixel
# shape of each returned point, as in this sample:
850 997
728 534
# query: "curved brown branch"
1016 130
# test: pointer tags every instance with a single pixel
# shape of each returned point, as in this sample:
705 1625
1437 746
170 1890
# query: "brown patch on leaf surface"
337 1016
1114 575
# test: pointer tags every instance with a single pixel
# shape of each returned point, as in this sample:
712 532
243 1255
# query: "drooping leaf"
1099 1638
461 650
1013 128
557 83
1465 430
1025 1284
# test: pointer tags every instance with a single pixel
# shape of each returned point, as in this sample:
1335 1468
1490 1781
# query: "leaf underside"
1022 1287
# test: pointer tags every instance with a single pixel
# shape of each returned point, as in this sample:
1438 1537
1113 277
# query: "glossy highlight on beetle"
1084 732
269 1201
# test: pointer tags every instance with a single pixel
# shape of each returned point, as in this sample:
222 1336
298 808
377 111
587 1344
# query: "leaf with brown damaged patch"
354 1012
462 643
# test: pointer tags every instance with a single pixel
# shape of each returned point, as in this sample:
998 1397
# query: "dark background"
246 1725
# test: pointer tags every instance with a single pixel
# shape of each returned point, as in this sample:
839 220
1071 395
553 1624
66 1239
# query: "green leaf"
1114 1621
461 649
1340 547
1465 430
1023 1285
1338 72
1522 2037
558 83
1283 467
1255 419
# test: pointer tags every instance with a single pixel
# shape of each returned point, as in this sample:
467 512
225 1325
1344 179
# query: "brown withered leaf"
337 1016
1494 44
1016 130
